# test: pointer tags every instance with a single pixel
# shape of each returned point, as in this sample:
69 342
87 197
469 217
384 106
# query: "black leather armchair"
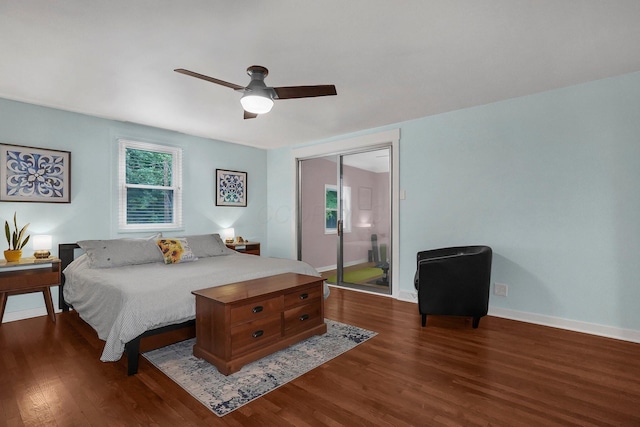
454 281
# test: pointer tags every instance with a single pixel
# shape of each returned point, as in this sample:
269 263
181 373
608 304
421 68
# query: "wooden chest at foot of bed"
244 321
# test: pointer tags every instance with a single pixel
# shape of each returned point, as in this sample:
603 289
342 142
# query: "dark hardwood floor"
505 373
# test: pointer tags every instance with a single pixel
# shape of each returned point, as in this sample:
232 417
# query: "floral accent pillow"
175 250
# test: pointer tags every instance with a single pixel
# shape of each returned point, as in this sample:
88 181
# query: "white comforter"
122 303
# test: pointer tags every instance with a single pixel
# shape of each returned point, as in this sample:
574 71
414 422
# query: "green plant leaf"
25 242
20 243
8 233
16 239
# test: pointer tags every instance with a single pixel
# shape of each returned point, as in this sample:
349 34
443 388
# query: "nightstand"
26 276
252 248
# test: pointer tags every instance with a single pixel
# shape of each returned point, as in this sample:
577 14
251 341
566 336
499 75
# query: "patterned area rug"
223 394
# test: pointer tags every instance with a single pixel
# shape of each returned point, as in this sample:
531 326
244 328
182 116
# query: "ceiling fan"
257 97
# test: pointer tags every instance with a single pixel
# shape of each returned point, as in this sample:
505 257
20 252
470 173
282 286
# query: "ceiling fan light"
256 104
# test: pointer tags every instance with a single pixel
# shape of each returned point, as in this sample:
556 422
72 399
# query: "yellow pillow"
175 250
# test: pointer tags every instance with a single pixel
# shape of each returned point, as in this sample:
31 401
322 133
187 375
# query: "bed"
129 289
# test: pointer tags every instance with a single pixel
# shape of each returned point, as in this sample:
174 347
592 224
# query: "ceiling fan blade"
289 92
248 115
209 79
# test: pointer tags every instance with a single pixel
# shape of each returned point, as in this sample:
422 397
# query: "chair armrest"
453 251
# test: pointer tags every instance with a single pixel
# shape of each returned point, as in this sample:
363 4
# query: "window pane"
146 206
148 167
331 221
149 185
331 199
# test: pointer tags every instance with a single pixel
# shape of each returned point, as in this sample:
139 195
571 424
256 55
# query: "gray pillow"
119 252
206 245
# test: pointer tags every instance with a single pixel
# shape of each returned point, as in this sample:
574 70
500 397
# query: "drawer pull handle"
304 296
304 317
257 309
258 334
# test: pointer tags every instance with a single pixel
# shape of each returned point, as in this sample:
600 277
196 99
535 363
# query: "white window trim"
176 187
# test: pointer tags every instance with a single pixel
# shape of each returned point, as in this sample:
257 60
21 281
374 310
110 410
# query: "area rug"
358 276
223 394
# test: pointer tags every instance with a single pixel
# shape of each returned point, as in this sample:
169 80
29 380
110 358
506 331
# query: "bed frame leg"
132 348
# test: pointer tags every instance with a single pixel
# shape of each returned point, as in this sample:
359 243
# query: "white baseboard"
552 321
408 296
26 314
571 325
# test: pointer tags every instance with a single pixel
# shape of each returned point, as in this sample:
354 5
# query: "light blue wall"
93 145
549 181
281 212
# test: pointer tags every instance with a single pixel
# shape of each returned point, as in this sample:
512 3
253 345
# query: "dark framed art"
231 188
30 174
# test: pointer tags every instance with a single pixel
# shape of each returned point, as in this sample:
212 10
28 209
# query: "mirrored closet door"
344 218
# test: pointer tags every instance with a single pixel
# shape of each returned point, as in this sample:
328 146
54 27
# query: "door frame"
344 146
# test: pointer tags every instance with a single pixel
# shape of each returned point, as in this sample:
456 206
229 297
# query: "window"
331 209
150 186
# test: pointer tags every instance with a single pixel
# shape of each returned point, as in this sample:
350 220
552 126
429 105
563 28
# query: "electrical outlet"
500 289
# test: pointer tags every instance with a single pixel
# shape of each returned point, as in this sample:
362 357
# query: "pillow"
175 250
206 245
120 252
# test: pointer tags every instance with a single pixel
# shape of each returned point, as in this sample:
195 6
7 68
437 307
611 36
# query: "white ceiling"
390 61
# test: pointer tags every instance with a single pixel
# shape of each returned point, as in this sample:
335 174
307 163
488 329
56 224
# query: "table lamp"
229 234
42 246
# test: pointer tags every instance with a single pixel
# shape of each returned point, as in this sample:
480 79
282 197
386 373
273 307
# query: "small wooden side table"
252 248
26 276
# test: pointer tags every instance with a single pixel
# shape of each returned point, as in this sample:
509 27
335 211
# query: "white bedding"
121 303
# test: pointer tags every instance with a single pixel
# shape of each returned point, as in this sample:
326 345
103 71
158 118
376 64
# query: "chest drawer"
256 310
303 296
25 279
303 317
250 335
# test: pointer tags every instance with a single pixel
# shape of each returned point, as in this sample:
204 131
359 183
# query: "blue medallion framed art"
231 188
29 174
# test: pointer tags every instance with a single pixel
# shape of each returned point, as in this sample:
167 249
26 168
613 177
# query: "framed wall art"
231 188
29 174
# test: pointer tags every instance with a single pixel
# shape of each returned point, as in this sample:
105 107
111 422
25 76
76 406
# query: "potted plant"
16 240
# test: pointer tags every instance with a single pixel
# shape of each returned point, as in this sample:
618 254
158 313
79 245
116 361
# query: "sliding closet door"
365 231
344 218
318 214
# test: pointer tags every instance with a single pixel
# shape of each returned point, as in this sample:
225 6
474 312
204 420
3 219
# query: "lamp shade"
42 242
228 234
41 245
256 104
